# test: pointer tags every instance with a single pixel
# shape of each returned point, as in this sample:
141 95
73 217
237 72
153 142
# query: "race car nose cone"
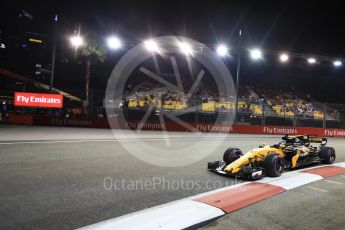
228 169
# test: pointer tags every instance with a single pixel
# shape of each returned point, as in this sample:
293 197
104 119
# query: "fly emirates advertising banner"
38 100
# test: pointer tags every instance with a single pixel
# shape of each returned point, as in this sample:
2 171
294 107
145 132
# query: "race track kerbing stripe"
175 215
231 199
326 171
291 180
341 164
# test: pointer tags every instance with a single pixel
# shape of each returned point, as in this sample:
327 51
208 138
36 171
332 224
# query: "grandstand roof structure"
37 84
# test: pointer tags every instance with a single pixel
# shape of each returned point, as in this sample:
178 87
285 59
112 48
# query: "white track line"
334 182
122 140
317 189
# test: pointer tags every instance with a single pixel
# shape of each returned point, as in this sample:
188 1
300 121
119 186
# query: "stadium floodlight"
185 48
222 50
256 54
337 63
114 42
151 45
311 60
77 41
284 57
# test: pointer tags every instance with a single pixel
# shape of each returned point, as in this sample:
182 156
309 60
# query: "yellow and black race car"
290 153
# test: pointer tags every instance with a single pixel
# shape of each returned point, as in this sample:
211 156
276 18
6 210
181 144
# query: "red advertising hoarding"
173 126
38 100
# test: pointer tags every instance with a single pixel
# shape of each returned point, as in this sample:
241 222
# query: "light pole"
222 51
238 71
53 54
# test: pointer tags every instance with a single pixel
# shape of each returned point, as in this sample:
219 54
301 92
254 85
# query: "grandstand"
288 103
252 101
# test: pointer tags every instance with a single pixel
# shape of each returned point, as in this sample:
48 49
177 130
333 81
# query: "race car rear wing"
305 139
316 139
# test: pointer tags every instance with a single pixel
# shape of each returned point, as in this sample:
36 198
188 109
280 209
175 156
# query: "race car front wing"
250 172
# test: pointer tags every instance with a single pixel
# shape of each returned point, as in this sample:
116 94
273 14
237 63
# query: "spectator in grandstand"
4 106
334 113
100 112
57 113
67 113
3 110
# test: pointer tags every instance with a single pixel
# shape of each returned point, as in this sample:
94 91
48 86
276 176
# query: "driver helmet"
282 144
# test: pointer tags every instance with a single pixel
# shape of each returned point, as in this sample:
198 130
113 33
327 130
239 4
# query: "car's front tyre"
274 165
232 154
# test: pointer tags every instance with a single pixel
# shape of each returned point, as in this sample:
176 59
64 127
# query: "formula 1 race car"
290 153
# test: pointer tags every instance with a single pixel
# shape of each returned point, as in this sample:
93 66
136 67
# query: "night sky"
292 26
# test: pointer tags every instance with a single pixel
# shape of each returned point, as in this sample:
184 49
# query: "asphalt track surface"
63 178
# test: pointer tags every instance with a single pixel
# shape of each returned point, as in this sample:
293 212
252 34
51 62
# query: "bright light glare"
77 41
256 54
185 48
284 57
311 60
222 50
151 46
114 42
337 63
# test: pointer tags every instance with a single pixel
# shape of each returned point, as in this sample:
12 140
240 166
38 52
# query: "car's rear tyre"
327 155
274 165
232 154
